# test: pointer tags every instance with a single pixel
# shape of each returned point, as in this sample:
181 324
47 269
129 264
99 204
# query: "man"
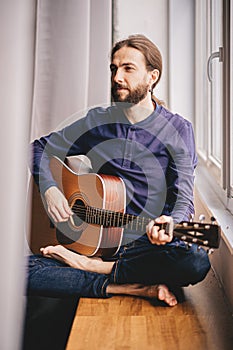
153 151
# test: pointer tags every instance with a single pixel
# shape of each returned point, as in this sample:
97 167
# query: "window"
231 88
214 94
231 109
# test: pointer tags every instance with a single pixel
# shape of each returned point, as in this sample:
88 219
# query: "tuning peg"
191 217
202 218
210 251
212 219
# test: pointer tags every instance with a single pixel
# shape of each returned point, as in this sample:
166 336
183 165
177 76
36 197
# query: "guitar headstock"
200 233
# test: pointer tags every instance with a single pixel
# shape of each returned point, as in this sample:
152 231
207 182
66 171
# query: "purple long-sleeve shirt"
156 157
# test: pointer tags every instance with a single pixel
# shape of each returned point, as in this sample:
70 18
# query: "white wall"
181 57
100 46
17 21
170 25
148 17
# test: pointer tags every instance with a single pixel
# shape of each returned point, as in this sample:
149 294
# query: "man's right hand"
57 205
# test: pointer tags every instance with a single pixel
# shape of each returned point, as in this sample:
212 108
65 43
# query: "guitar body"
99 191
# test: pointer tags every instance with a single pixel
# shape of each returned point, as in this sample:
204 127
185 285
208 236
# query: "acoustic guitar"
97 226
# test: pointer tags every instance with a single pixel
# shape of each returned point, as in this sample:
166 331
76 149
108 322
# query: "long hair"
150 51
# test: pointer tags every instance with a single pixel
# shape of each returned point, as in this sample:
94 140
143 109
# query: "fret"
137 223
114 219
118 219
143 222
86 214
108 218
89 215
99 212
125 220
122 220
104 217
131 223
93 216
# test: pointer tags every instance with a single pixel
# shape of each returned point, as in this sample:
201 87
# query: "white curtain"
73 41
17 19
53 64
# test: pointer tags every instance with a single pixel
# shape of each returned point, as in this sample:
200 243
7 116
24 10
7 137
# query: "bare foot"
77 261
160 291
165 295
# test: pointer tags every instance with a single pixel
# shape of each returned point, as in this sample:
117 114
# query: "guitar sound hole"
79 211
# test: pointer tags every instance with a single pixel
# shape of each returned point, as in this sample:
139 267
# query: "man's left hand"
155 234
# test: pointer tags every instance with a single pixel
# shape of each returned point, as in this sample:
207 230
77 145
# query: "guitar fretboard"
109 218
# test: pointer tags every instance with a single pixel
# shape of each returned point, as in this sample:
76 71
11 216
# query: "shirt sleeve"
66 142
180 174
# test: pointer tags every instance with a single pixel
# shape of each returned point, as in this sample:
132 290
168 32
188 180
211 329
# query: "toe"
165 295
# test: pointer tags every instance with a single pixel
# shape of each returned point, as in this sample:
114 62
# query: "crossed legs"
160 291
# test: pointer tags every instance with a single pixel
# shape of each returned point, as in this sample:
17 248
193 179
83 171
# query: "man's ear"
154 76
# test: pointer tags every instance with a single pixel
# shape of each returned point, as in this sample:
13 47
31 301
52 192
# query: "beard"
133 97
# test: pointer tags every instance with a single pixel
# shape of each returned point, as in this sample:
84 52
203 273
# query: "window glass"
215 81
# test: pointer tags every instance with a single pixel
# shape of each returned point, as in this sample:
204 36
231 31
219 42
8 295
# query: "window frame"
221 173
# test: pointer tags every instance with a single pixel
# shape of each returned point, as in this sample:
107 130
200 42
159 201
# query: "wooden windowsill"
208 192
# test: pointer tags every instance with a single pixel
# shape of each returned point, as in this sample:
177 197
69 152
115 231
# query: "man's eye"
128 68
113 69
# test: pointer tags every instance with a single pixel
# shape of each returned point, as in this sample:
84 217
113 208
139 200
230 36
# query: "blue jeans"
137 262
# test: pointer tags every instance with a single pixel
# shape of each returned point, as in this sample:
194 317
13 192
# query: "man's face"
130 78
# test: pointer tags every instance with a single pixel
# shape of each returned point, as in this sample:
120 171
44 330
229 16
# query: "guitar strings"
110 218
93 211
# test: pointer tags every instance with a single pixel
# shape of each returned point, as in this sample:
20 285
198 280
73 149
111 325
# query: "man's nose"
118 76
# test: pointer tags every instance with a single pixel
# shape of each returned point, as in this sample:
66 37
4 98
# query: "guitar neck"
109 218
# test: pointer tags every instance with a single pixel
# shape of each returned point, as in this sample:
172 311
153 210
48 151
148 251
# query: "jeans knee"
200 266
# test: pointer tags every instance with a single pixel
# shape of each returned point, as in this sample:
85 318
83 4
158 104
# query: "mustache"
116 86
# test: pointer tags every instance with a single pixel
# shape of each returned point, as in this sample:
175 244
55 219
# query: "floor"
202 320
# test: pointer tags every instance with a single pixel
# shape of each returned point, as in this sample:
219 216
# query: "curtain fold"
73 40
